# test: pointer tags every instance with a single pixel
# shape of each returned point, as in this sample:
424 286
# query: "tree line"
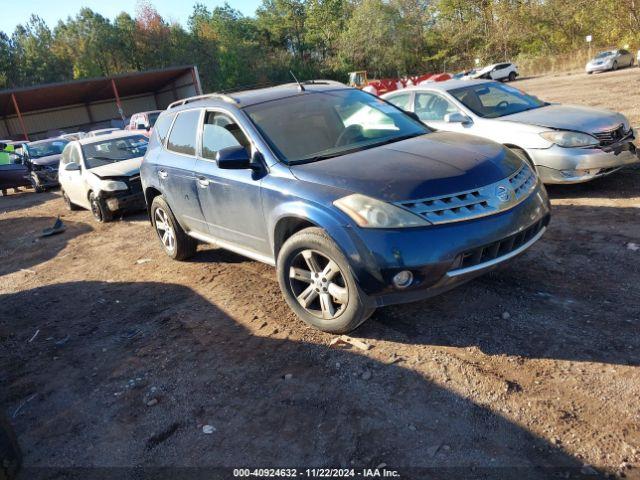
313 38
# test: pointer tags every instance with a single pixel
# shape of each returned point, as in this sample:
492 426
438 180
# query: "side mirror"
456 117
72 167
233 158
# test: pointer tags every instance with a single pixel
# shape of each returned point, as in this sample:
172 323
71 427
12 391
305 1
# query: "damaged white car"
102 174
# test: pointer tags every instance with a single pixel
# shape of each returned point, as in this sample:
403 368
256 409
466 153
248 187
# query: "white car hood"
570 117
125 168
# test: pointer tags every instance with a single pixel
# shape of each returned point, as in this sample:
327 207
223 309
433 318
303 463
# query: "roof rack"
184 101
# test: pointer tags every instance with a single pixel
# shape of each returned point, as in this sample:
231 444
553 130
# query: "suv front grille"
502 247
609 137
487 200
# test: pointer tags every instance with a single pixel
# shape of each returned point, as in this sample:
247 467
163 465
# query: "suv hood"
438 163
47 161
125 168
570 117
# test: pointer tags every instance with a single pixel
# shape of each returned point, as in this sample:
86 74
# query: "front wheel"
318 285
175 242
35 182
615 66
512 76
99 209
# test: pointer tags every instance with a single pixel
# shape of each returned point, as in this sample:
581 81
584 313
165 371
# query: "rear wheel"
175 242
99 209
318 285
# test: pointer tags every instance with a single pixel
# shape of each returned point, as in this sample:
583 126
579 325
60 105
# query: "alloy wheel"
165 230
318 284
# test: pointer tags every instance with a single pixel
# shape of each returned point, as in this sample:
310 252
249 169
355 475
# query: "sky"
14 12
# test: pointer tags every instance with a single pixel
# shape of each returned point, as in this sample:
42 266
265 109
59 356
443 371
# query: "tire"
99 209
523 155
177 244
512 76
10 455
36 183
614 67
318 282
72 207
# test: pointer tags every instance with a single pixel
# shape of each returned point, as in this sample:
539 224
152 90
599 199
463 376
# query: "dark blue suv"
355 202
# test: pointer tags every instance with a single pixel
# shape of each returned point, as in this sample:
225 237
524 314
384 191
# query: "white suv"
498 71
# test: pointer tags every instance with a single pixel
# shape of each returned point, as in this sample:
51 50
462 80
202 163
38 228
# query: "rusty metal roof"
53 95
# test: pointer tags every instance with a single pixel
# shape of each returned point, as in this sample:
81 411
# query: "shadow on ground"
21 244
85 383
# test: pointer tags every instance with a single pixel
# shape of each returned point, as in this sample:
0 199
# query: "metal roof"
55 95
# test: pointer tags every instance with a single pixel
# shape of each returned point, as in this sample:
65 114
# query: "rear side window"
401 100
182 138
162 127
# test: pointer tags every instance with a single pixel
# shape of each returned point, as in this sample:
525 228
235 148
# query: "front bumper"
598 68
443 256
576 165
45 178
123 201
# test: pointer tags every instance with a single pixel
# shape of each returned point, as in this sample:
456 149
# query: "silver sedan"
564 143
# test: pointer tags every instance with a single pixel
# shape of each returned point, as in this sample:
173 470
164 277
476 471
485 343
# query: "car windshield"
493 100
320 125
153 117
604 54
113 150
46 148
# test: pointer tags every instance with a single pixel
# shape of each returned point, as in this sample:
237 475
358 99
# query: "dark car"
355 202
41 159
13 172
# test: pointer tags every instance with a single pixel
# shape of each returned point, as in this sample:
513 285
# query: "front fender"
341 231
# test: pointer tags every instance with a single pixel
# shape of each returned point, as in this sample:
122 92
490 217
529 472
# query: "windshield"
604 54
153 117
328 124
113 150
46 148
493 100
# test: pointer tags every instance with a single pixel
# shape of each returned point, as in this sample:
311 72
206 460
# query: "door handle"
163 173
203 182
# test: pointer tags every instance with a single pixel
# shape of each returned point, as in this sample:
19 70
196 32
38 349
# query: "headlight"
112 185
569 139
368 212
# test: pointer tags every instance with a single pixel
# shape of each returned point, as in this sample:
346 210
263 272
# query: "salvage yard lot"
114 355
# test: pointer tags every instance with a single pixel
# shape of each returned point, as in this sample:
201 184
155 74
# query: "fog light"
403 279
112 204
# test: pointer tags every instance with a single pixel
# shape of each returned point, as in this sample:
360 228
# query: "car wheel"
317 283
98 209
512 76
615 65
10 455
36 183
67 201
175 242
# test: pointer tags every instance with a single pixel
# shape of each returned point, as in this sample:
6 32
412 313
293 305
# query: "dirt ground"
112 355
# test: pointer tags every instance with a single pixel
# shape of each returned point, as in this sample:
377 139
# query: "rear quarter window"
182 138
162 126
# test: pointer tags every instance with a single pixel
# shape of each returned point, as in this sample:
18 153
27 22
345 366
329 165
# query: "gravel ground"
112 355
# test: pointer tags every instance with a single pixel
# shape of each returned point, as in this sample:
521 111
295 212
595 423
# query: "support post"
118 103
196 80
20 119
